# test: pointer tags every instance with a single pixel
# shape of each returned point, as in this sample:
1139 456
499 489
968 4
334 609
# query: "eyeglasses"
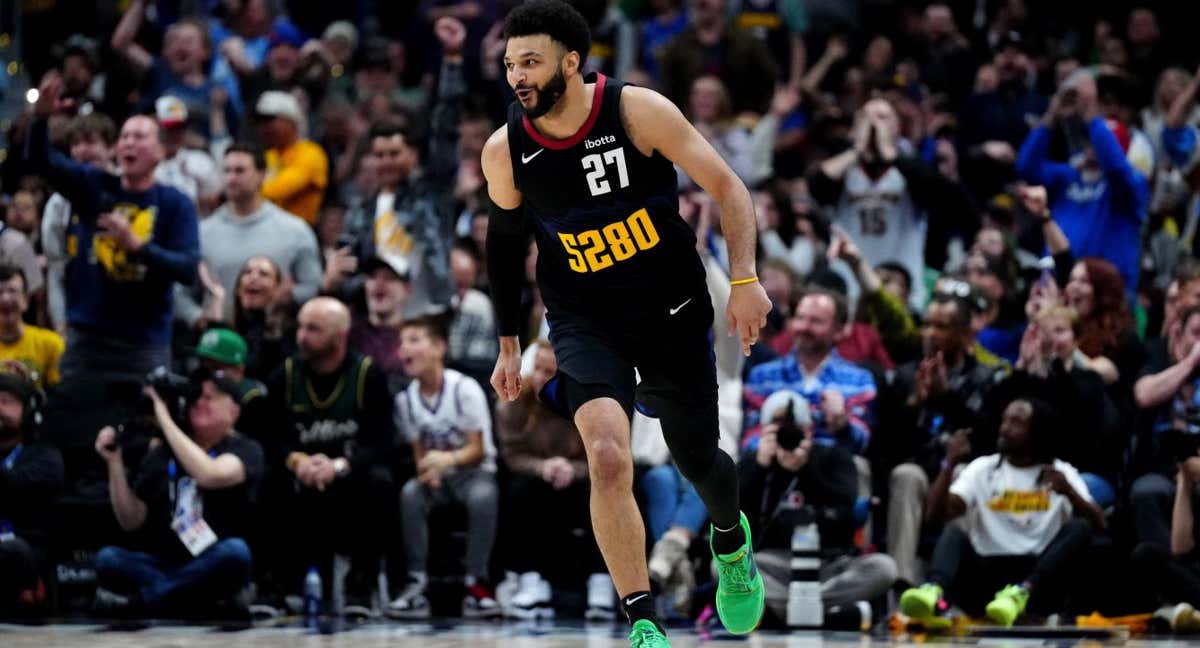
953 288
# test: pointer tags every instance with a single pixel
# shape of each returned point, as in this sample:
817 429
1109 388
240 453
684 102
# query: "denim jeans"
217 574
671 501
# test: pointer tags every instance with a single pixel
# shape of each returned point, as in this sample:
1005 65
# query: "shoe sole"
762 604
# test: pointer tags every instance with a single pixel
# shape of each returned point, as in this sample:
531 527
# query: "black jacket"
828 483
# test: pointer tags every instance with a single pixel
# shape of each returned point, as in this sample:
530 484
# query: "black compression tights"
691 433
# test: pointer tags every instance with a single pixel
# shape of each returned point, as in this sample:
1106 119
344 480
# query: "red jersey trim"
559 144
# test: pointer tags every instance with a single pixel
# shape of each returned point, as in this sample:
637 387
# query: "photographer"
1170 396
31 478
1098 198
191 500
783 468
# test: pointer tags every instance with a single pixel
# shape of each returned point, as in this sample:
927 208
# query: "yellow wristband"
742 282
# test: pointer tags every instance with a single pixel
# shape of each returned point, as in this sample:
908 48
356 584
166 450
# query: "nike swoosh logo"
635 599
679 307
525 159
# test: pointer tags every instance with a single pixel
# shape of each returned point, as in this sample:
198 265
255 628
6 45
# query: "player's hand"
747 311
506 377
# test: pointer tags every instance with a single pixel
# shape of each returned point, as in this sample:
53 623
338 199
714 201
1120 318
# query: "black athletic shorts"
672 351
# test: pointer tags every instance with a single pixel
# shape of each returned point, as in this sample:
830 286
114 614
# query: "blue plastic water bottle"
312 598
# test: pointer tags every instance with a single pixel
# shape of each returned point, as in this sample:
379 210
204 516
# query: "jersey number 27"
595 166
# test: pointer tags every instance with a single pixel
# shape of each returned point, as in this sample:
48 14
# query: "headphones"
31 396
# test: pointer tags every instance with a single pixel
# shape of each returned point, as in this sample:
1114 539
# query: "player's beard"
547 96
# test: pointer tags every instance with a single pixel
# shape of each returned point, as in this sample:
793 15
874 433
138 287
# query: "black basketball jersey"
611 244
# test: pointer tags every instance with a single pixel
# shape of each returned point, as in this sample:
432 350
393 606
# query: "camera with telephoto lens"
140 423
789 435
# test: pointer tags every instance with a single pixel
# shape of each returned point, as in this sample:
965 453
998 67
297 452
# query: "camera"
789 435
1181 444
1183 440
139 424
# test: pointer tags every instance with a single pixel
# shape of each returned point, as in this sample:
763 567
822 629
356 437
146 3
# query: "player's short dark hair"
554 18
433 325
254 151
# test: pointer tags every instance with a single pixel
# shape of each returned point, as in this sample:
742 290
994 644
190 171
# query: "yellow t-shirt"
39 350
296 179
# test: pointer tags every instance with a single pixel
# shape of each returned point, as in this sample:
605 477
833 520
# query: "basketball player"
586 163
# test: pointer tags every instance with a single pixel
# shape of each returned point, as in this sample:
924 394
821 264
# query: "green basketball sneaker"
740 593
647 635
921 602
1008 605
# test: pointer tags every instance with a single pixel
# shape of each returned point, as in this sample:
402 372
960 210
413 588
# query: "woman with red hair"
1106 328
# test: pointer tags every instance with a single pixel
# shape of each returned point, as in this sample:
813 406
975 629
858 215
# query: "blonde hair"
1059 311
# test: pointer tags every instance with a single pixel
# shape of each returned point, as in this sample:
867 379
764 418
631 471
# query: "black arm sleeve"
507 239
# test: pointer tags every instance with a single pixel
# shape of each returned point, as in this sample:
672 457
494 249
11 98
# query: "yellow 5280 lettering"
595 250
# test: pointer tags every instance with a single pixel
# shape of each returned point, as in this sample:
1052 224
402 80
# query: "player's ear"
570 63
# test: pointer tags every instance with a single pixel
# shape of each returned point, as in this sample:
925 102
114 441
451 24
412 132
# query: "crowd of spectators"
977 226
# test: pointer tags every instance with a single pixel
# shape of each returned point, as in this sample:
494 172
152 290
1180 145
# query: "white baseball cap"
170 111
275 103
777 403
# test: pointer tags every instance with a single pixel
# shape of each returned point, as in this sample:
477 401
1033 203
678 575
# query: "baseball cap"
170 111
777 403
397 264
275 103
344 30
222 345
80 45
284 33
